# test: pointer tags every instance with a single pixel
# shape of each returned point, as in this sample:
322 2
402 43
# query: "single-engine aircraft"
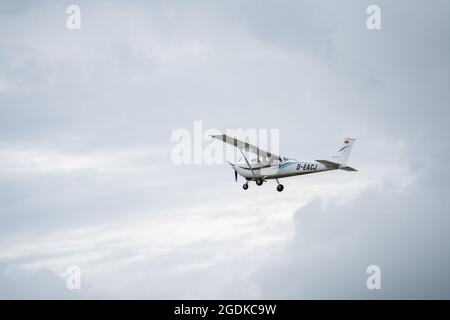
271 166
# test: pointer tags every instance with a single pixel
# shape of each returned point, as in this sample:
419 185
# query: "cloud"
403 232
86 119
16 283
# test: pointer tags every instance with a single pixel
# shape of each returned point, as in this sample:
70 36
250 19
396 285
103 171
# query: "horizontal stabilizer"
348 169
334 165
329 164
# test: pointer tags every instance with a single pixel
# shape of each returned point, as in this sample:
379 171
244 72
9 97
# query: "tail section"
343 153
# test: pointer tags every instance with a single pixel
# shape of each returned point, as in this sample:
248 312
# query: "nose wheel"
245 186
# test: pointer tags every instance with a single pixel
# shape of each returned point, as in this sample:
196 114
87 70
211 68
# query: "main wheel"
280 187
245 186
259 181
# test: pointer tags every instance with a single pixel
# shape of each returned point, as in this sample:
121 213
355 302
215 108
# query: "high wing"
246 146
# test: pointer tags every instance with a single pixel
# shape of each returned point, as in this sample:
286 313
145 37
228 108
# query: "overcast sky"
87 179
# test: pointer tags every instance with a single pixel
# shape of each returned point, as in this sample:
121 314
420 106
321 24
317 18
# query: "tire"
245 186
259 182
280 187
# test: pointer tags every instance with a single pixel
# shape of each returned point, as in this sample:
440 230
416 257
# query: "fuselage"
281 169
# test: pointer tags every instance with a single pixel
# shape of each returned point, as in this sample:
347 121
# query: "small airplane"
271 166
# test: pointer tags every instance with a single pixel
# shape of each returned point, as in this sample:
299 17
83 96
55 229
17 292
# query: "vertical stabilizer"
343 153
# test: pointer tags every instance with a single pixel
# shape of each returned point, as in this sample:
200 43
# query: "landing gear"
259 181
279 186
245 186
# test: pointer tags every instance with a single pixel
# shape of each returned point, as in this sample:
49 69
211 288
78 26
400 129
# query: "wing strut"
248 163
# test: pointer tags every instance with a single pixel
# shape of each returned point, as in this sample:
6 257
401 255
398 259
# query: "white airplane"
270 166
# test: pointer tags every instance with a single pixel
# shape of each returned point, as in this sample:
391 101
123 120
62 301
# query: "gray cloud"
41 284
402 232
